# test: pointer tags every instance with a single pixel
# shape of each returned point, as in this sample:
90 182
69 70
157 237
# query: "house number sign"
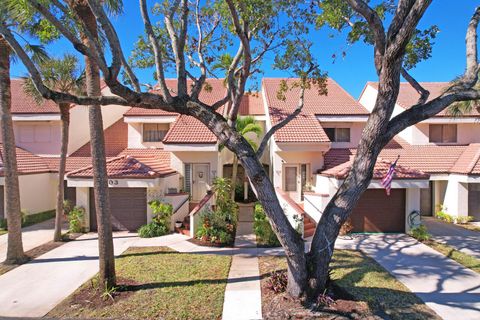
112 182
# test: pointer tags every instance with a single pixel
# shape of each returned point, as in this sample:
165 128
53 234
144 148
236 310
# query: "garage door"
128 206
377 212
2 203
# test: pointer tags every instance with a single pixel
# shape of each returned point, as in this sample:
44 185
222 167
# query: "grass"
2 231
464 259
162 284
32 219
361 278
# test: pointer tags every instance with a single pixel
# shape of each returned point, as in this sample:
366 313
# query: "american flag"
387 180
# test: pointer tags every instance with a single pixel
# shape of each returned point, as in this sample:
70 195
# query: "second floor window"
443 133
154 132
338 134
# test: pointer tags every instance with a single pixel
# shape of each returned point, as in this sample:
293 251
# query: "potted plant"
178 224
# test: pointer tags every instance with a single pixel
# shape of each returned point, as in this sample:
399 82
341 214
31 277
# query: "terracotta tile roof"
22 103
306 127
73 163
431 159
380 170
187 129
252 104
408 96
116 140
336 102
303 128
27 163
143 166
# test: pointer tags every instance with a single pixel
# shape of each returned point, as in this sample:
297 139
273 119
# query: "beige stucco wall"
453 195
79 133
179 158
135 136
356 129
37 192
38 137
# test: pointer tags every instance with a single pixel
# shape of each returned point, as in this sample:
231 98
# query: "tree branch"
424 94
376 25
201 80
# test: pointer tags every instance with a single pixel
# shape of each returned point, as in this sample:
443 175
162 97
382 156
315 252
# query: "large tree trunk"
341 205
15 252
100 177
291 241
65 117
234 175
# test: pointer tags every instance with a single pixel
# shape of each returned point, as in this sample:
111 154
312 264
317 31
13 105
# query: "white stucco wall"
83 200
179 158
412 204
456 196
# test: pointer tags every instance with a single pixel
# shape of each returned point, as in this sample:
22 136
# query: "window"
338 134
188 177
443 133
154 132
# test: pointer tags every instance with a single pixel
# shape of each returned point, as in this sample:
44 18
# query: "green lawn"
361 278
462 258
2 231
162 284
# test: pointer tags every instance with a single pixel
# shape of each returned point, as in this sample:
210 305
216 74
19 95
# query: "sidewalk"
447 287
243 296
32 237
52 276
464 240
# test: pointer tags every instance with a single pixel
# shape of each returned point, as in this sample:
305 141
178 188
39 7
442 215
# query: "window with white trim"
154 132
442 133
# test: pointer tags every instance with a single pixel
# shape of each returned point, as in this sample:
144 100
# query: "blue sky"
356 68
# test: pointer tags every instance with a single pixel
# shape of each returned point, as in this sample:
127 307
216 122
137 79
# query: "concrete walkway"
447 287
35 288
243 296
464 240
32 237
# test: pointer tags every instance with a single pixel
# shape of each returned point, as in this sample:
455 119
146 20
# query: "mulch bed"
38 251
91 296
202 243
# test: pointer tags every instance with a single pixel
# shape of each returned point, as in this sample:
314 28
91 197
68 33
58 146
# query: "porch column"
412 199
456 198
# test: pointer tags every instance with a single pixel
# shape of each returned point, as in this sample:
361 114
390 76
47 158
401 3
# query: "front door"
295 178
200 181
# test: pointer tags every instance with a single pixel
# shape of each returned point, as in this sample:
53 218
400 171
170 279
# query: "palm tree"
461 108
100 178
15 254
245 126
63 75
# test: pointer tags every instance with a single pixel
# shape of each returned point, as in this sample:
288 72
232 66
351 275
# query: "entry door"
200 181
292 181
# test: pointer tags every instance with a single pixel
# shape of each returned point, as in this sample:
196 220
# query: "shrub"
218 226
161 220
75 220
278 281
420 233
442 215
3 223
263 229
464 219
152 230
67 206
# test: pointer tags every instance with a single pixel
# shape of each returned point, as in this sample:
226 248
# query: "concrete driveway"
33 289
447 287
32 237
462 239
